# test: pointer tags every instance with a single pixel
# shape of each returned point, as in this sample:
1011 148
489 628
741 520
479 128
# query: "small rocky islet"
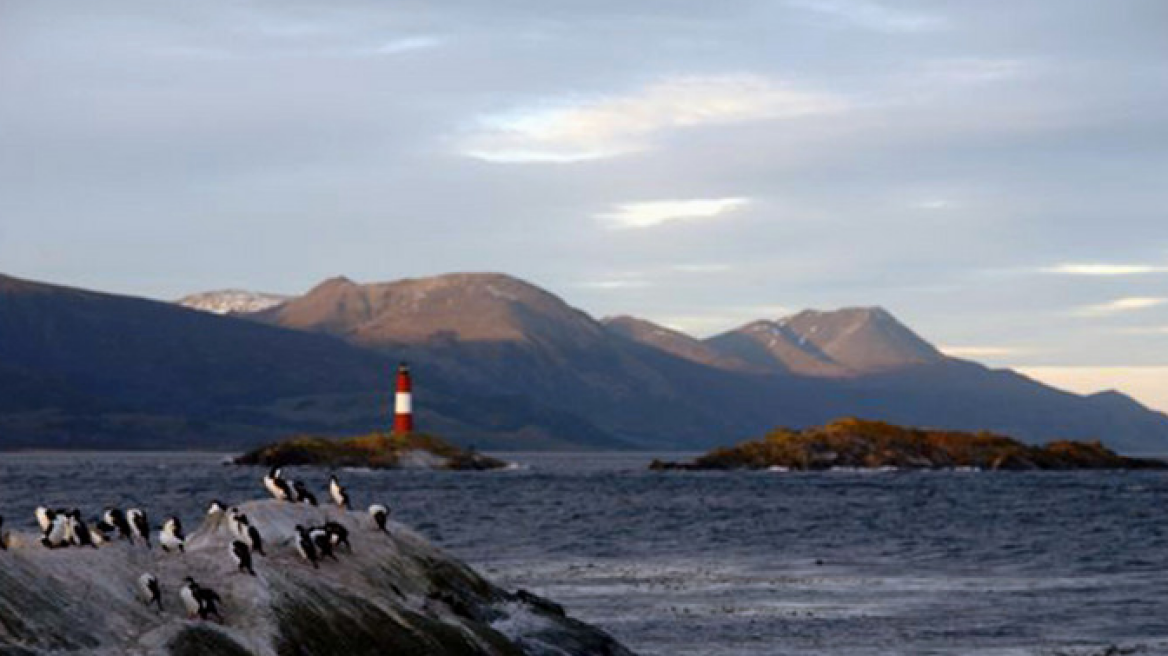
378 450
864 444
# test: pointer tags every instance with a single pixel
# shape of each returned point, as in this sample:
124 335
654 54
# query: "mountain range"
499 363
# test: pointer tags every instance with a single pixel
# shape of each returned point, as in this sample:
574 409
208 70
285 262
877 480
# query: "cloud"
407 44
972 70
1099 269
615 284
589 129
871 15
710 267
982 351
932 204
298 50
1145 330
654 213
1122 305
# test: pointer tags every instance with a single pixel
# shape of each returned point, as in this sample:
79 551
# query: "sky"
993 173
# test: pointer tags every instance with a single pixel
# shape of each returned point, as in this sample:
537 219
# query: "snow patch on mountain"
232 301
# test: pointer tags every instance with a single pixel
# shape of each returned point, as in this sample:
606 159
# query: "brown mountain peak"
862 339
481 307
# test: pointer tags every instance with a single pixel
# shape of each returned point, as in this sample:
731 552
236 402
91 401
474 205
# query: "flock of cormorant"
65 528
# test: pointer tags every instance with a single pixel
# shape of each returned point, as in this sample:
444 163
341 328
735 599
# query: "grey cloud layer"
953 161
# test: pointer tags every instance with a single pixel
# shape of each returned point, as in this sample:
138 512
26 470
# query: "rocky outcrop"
861 444
394 593
374 451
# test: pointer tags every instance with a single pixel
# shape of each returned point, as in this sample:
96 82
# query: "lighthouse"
403 405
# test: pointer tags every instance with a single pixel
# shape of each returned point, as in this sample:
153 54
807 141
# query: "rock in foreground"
394 594
856 443
374 451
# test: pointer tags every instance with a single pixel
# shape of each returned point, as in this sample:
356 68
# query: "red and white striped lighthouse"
403 404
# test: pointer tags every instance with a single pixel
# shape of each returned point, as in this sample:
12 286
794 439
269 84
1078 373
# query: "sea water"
739 563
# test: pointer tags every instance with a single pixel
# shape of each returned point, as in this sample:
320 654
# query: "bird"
380 515
101 532
215 507
139 524
79 532
58 533
277 486
323 541
200 601
305 546
116 519
209 601
44 518
338 535
254 541
151 591
70 527
302 493
190 601
237 522
171 536
338 492
242 555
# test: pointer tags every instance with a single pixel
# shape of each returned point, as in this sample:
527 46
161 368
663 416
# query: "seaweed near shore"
379 450
864 444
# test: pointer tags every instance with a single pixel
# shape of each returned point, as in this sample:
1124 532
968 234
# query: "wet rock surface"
393 593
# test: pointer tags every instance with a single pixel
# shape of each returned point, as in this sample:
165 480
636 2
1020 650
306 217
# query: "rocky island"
379 450
392 593
858 443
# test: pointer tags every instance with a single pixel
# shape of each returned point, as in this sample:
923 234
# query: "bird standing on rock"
254 541
237 522
277 486
58 533
243 530
338 535
241 553
139 524
100 532
339 494
209 603
116 520
302 493
200 601
323 541
151 591
380 515
305 546
44 518
190 601
171 536
79 533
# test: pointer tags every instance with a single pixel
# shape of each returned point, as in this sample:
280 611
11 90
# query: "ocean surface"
741 564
